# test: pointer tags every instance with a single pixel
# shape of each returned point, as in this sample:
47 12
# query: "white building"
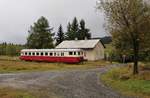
93 49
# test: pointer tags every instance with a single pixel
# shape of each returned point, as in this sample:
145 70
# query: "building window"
46 54
51 54
70 53
85 54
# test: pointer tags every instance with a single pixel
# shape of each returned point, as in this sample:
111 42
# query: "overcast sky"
16 16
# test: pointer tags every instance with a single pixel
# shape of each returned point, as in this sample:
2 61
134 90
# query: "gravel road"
61 84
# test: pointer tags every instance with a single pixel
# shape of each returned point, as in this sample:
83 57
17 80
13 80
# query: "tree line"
41 35
10 49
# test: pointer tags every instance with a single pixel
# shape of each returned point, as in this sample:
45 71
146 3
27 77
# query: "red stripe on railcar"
52 59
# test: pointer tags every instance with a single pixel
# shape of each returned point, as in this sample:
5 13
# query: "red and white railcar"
52 55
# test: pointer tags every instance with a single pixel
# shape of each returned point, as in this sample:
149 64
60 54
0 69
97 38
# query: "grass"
10 64
12 93
9 58
136 85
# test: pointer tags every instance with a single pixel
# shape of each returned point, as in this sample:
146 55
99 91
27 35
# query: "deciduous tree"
129 23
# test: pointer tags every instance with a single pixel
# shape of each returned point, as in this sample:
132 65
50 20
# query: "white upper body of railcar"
52 52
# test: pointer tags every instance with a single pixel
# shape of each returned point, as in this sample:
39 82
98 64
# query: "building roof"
78 44
49 50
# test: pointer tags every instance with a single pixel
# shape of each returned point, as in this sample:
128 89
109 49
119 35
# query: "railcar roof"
49 50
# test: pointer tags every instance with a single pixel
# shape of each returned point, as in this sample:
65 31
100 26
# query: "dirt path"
64 84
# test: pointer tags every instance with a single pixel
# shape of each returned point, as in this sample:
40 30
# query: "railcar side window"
22 53
46 54
74 53
58 54
79 53
55 54
26 53
62 54
70 53
33 53
37 54
51 54
30 53
42 53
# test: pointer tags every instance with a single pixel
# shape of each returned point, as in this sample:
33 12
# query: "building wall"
94 54
88 54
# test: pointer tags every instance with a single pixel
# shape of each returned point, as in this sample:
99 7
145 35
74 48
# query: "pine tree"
60 35
83 31
40 35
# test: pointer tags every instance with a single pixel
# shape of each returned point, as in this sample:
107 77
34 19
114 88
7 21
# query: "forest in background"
10 49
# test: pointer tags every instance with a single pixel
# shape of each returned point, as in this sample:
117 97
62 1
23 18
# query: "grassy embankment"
11 93
122 80
13 64
17 93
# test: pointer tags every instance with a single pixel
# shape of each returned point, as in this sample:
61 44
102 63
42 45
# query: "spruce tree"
40 35
73 29
69 27
68 33
83 31
60 35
